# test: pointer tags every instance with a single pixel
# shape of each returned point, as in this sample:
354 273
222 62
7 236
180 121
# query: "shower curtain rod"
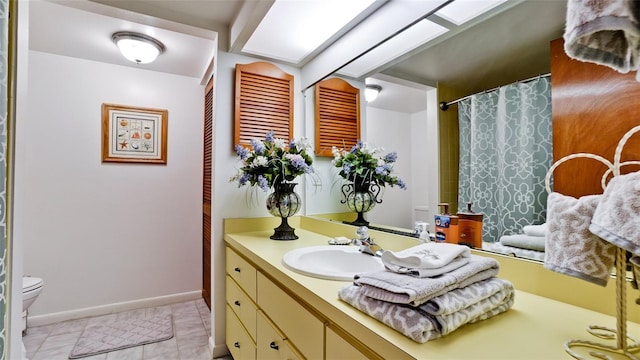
444 105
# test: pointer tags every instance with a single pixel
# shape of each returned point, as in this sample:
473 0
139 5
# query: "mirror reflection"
497 52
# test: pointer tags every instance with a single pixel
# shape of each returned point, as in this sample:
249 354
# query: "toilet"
31 288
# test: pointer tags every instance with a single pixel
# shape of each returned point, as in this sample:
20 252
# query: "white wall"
102 233
229 201
391 130
425 169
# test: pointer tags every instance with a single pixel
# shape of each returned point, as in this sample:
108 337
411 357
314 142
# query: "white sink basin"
333 262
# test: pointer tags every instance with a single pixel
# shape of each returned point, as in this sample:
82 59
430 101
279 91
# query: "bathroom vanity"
275 313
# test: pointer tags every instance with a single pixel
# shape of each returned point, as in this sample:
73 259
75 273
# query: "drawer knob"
236 344
237 269
273 345
237 302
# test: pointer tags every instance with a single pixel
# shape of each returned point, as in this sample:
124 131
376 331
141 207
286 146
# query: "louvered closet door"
206 193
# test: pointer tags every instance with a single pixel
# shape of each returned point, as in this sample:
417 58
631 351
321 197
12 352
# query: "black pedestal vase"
284 203
360 196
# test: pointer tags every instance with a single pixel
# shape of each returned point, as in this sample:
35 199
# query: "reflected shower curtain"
505 152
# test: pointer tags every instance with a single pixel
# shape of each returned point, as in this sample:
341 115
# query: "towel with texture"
605 32
617 217
535 230
427 260
572 249
403 289
523 241
486 299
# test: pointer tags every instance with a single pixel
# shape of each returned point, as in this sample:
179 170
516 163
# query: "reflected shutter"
337 115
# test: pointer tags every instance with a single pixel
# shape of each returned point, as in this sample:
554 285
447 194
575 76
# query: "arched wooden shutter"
337 115
263 102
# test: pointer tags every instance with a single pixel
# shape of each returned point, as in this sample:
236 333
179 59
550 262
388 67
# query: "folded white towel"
517 252
617 217
571 249
473 305
427 260
430 255
604 32
524 241
535 230
402 289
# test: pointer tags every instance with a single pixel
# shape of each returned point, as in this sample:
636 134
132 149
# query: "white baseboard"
218 351
47 319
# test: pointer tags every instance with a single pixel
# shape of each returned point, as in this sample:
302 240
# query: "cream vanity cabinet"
263 321
241 308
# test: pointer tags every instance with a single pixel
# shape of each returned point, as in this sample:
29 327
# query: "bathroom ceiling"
511 46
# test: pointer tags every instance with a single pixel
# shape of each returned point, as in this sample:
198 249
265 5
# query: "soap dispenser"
446 225
470 226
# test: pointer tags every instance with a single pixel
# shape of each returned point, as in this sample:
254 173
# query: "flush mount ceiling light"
139 48
371 92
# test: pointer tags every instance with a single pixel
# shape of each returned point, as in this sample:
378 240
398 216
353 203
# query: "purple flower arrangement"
367 164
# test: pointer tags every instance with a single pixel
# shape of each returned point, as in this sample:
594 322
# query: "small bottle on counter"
446 225
470 226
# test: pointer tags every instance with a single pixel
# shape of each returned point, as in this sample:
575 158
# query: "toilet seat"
31 283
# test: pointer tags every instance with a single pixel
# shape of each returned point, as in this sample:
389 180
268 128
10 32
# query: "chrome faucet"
365 242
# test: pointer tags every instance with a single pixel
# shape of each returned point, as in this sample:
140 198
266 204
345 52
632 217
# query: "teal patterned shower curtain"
505 152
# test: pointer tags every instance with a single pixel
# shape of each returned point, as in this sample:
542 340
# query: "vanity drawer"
338 348
271 344
303 329
242 272
242 306
239 342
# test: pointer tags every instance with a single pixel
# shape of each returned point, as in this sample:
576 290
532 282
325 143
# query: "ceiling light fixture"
139 48
371 92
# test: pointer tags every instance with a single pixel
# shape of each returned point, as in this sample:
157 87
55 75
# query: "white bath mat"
102 338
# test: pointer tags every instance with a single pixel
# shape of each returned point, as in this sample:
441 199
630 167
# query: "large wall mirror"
507 47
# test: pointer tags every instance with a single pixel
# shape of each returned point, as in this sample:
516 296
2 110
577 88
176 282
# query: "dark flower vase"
360 196
284 203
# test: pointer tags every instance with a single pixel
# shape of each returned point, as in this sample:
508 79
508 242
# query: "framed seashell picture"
134 134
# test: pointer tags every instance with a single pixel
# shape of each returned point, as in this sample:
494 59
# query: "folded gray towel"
571 249
524 241
617 217
535 230
495 289
421 326
605 32
403 289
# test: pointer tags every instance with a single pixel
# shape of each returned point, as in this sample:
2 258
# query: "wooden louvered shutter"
207 198
337 115
263 102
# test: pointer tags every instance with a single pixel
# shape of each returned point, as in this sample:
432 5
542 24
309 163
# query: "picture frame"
134 134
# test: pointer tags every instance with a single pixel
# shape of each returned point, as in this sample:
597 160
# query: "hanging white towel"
571 249
604 32
617 217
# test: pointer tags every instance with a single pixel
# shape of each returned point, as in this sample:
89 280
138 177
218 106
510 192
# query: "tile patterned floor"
191 326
